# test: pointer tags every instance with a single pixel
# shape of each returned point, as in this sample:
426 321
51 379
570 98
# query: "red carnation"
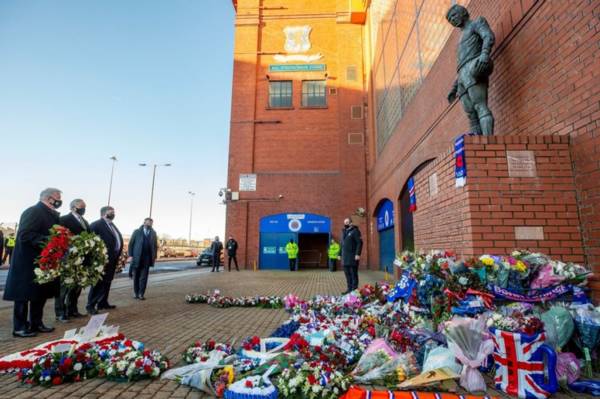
312 380
249 384
56 380
147 369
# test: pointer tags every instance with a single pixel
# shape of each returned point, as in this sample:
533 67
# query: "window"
280 94
313 93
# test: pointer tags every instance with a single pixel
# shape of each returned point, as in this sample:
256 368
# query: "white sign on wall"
247 182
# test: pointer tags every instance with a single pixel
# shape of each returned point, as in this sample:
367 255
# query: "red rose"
68 362
312 380
128 343
211 344
255 340
249 384
56 380
147 369
138 363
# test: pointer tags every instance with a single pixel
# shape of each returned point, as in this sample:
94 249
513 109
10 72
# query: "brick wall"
546 82
482 217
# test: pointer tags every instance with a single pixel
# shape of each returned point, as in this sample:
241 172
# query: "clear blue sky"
147 81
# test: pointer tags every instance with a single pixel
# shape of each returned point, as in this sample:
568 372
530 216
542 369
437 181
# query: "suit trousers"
98 295
23 309
234 258
216 262
66 303
351 272
140 280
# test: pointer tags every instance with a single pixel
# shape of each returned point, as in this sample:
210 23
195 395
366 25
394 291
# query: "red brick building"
535 185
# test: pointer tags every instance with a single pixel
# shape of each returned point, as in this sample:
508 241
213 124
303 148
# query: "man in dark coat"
30 297
216 248
108 232
65 304
232 247
350 254
143 248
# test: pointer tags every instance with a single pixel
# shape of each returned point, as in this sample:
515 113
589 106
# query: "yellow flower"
229 371
486 260
401 375
520 266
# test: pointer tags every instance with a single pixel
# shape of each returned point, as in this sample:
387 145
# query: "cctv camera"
220 193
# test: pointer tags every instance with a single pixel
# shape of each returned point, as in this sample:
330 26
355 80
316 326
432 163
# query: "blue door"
387 252
277 230
272 250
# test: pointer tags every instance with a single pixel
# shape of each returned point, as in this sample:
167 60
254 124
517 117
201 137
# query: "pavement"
167 323
160 267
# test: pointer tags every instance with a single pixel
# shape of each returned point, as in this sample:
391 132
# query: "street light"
112 172
154 166
192 194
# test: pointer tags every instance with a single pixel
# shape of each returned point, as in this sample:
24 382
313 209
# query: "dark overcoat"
34 230
100 227
351 244
136 246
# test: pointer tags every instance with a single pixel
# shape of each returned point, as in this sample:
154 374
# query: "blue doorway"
311 230
385 228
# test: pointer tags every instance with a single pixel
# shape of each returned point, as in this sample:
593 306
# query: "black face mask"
55 203
80 211
110 216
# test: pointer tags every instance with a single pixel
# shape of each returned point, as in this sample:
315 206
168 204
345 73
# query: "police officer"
333 253
292 252
9 247
350 254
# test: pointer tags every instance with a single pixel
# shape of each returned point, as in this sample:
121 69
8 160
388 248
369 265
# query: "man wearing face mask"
65 305
108 232
30 297
350 254
143 248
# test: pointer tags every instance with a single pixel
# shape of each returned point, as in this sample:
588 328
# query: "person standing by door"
143 248
333 253
65 304
232 247
292 252
350 254
216 248
30 297
9 248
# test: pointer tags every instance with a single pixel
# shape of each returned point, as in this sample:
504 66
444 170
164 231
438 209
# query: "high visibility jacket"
292 250
334 251
10 242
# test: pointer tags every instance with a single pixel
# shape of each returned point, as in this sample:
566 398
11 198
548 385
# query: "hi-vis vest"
292 250
334 251
10 242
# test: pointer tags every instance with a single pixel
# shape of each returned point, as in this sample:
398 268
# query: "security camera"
220 193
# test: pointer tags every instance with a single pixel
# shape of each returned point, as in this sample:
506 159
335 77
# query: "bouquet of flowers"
133 365
196 298
312 382
52 255
58 368
78 260
200 352
516 322
84 264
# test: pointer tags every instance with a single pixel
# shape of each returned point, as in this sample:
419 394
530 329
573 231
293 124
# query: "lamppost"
192 194
154 166
112 172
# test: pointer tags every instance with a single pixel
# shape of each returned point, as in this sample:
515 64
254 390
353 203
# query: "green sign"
297 67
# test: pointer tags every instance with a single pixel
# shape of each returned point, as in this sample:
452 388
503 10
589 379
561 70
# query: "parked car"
205 258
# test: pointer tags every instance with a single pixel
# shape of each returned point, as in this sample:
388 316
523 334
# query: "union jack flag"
519 365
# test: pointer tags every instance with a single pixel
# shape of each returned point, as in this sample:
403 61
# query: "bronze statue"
474 68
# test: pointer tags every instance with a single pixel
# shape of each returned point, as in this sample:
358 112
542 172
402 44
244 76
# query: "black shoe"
107 306
136 297
23 334
91 311
43 329
76 314
142 298
62 319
